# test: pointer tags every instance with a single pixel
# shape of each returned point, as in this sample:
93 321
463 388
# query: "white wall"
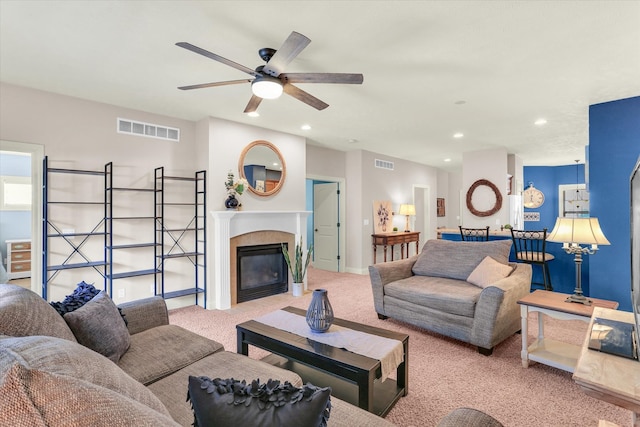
492 166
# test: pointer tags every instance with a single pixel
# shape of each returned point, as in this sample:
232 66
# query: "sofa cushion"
227 402
160 351
437 293
82 294
456 260
24 313
488 272
222 363
65 358
32 397
99 326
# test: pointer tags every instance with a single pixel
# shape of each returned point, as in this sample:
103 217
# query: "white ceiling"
488 69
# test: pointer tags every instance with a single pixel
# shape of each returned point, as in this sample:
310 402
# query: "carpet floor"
444 374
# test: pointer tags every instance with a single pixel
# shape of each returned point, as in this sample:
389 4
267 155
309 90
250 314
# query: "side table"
613 379
395 238
551 352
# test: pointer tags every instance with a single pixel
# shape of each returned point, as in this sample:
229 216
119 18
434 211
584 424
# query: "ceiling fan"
270 80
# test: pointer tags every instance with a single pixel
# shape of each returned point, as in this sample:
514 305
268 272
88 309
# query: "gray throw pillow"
456 260
99 326
230 402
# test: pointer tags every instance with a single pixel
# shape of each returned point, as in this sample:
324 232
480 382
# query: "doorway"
423 218
33 155
325 227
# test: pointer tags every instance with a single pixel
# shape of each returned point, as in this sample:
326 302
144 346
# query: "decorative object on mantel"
233 187
320 313
297 268
496 207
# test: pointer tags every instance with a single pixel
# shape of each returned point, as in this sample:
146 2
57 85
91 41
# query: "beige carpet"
443 374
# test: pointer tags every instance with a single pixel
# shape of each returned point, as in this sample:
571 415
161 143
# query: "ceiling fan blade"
204 85
342 78
218 58
291 47
253 104
305 97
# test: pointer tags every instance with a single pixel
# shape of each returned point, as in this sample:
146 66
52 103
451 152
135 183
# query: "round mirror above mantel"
263 166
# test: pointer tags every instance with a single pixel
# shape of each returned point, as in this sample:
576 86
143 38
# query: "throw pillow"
488 272
83 293
99 326
230 402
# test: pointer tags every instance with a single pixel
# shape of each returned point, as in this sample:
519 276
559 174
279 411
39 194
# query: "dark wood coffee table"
352 377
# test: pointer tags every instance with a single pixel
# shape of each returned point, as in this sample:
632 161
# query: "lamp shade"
266 87
579 231
407 210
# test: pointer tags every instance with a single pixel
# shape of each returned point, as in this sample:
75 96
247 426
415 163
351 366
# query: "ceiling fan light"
267 87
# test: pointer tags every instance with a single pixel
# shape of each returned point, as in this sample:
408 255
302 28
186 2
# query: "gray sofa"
48 379
430 290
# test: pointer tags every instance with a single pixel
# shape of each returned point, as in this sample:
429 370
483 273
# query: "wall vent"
149 130
384 164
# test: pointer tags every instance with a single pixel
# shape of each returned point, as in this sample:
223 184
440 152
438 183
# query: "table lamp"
407 210
573 232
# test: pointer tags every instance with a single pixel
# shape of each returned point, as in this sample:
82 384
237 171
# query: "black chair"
474 234
530 247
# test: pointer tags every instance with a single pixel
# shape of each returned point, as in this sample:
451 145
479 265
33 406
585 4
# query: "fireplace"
261 271
246 228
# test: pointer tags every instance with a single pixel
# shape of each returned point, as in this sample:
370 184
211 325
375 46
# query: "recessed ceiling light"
253 114
458 135
447 160
352 141
461 102
540 122
305 127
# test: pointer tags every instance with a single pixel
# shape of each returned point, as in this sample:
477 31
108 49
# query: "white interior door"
325 226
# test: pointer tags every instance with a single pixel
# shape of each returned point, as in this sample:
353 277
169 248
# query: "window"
15 193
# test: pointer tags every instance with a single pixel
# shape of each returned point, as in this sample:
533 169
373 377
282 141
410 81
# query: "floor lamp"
407 210
573 232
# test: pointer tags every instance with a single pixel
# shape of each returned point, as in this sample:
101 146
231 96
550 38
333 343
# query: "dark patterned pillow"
98 326
83 293
229 402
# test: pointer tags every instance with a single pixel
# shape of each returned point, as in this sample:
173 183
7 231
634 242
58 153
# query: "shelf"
130 217
149 190
186 254
183 293
133 273
554 353
76 234
133 245
78 265
75 203
75 171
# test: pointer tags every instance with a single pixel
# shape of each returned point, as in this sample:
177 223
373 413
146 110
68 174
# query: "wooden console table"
610 378
551 352
402 238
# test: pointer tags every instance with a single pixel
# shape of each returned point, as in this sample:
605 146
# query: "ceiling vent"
384 164
149 130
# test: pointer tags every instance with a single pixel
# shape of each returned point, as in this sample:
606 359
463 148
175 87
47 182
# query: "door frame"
342 233
37 156
429 230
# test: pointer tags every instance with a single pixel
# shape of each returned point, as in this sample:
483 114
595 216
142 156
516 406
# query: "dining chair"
530 247
474 234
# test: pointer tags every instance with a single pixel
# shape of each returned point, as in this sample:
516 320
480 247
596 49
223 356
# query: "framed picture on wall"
440 207
382 216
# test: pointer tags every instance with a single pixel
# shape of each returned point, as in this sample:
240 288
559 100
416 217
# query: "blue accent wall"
562 269
614 147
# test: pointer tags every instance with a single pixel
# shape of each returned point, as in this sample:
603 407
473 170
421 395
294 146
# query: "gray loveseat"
48 379
430 290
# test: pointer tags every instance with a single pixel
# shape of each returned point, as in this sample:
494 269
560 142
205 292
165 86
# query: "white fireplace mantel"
230 223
